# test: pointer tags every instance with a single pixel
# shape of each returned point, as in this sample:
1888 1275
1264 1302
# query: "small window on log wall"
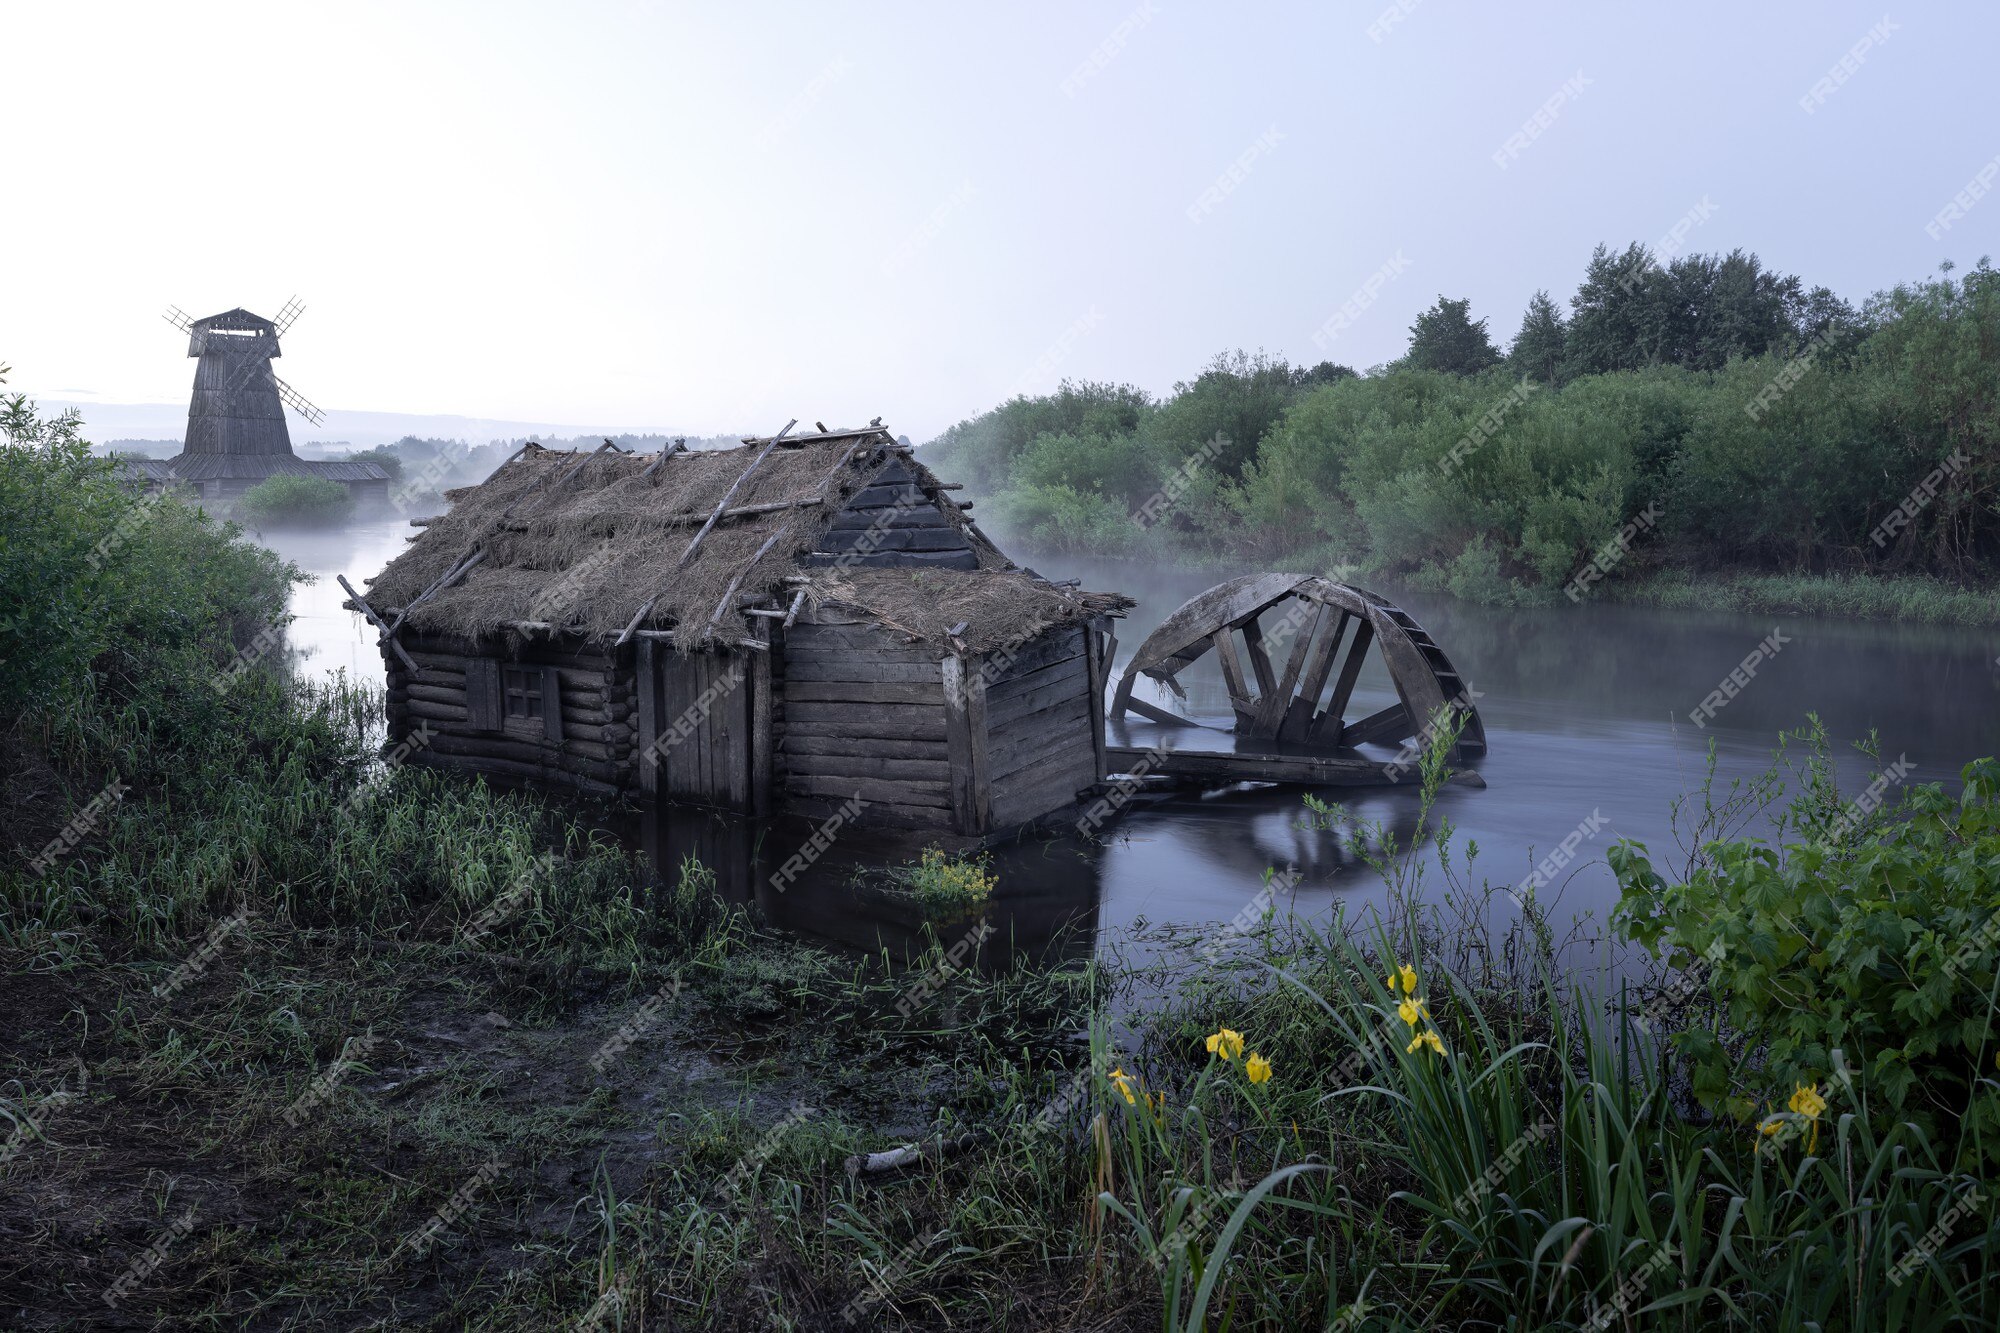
523 687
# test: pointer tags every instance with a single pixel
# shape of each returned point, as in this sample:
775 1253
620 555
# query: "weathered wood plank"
863 747
871 766
921 693
1068 685
871 789
894 560
1316 769
507 768
1008 663
1073 671
912 724
895 539
881 814
821 669
1072 749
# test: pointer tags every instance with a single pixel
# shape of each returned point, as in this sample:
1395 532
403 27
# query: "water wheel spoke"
1299 712
1232 672
1272 711
1260 658
1155 713
1391 724
1350 671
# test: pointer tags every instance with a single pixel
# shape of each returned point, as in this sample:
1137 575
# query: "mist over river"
1586 712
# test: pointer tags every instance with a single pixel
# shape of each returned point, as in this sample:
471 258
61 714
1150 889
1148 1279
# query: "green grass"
1908 597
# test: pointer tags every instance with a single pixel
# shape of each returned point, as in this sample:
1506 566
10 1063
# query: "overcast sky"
718 216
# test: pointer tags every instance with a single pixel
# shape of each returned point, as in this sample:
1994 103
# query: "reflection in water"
1586 711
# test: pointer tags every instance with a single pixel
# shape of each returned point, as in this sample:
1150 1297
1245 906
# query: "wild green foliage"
1869 938
289 500
385 458
96 580
1754 424
1446 337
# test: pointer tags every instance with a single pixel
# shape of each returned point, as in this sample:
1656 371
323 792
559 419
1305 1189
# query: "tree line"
1756 423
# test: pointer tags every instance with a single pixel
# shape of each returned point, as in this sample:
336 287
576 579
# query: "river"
1587 718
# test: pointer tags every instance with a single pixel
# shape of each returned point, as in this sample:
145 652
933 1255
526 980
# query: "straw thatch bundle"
997 608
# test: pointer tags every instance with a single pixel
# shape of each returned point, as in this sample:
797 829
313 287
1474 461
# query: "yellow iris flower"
1807 1102
1404 976
1123 1082
1411 1011
1257 1069
1430 1039
1225 1042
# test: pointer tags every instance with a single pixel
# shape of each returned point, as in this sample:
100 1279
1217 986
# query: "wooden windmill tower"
236 434
239 402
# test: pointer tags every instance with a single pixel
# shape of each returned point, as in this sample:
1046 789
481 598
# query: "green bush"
298 501
1869 942
98 581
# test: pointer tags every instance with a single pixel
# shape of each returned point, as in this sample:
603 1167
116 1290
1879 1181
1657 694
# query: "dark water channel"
1586 713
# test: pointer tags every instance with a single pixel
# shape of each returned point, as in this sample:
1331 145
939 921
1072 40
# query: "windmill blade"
179 319
297 401
293 308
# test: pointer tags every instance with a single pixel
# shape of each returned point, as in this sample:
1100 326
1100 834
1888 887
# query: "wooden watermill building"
801 625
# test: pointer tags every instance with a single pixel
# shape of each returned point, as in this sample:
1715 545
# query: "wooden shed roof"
604 543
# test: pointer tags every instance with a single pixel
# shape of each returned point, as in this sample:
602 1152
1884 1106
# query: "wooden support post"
792 612
1095 666
761 740
965 742
644 685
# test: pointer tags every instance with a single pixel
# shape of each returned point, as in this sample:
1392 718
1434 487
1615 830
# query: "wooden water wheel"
1304 700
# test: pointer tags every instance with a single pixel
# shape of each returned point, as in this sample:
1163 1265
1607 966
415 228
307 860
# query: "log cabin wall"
1042 739
861 712
553 716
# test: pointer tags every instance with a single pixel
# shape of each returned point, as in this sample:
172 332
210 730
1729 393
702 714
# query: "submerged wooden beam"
1317 769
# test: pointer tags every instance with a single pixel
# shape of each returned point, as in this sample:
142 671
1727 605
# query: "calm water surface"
1586 713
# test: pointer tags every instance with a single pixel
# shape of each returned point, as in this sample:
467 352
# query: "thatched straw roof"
586 542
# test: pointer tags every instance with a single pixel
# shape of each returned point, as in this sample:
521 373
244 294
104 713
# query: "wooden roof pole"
376 620
731 495
729 593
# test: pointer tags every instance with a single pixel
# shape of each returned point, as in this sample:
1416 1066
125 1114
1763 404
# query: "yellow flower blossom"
1257 1069
1807 1102
1404 976
1225 1042
1123 1082
1427 1038
1411 1011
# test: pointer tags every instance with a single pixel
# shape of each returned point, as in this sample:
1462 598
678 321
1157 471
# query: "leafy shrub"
97 580
300 501
1871 941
